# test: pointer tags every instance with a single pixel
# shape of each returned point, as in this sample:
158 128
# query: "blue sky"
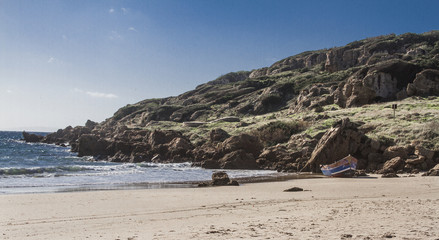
63 62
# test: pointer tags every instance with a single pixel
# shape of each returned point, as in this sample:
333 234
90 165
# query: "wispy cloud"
54 60
124 10
101 95
114 35
111 10
132 29
96 94
9 91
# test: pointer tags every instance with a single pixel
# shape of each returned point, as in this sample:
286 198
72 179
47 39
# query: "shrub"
271 99
279 131
435 49
431 135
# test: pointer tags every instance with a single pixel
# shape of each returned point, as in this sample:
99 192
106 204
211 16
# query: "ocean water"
38 168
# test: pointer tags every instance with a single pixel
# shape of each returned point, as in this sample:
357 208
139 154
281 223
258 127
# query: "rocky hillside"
302 111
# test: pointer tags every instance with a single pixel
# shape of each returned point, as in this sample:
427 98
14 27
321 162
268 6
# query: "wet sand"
329 208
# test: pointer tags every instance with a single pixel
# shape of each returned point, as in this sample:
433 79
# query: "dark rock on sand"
393 165
388 235
433 172
294 189
389 175
346 236
222 179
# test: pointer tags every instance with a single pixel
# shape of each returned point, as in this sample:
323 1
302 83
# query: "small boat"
342 168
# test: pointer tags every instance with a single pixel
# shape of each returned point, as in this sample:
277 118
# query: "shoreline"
275 177
329 208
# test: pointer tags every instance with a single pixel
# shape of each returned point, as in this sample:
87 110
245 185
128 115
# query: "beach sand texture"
329 208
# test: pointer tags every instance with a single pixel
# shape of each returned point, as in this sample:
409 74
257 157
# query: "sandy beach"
329 208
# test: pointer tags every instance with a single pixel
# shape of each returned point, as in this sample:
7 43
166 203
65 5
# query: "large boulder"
141 152
395 151
238 160
426 83
179 144
158 137
222 179
245 142
393 165
415 160
421 151
342 139
433 172
279 158
218 135
92 145
179 150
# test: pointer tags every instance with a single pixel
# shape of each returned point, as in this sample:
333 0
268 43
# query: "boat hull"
342 168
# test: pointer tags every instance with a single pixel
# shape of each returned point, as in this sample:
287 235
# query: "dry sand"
331 208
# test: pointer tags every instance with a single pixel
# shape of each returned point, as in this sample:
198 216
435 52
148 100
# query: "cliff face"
373 70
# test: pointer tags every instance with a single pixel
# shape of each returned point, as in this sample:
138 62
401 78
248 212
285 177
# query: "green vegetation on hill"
307 93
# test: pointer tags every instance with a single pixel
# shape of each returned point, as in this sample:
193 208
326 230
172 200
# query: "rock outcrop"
281 158
341 140
236 152
313 98
32 138
392 165
426 83
380 83
247 143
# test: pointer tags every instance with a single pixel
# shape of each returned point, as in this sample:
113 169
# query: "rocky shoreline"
306 87
245 151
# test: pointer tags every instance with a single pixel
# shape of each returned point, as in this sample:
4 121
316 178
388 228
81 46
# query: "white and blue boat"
342 168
